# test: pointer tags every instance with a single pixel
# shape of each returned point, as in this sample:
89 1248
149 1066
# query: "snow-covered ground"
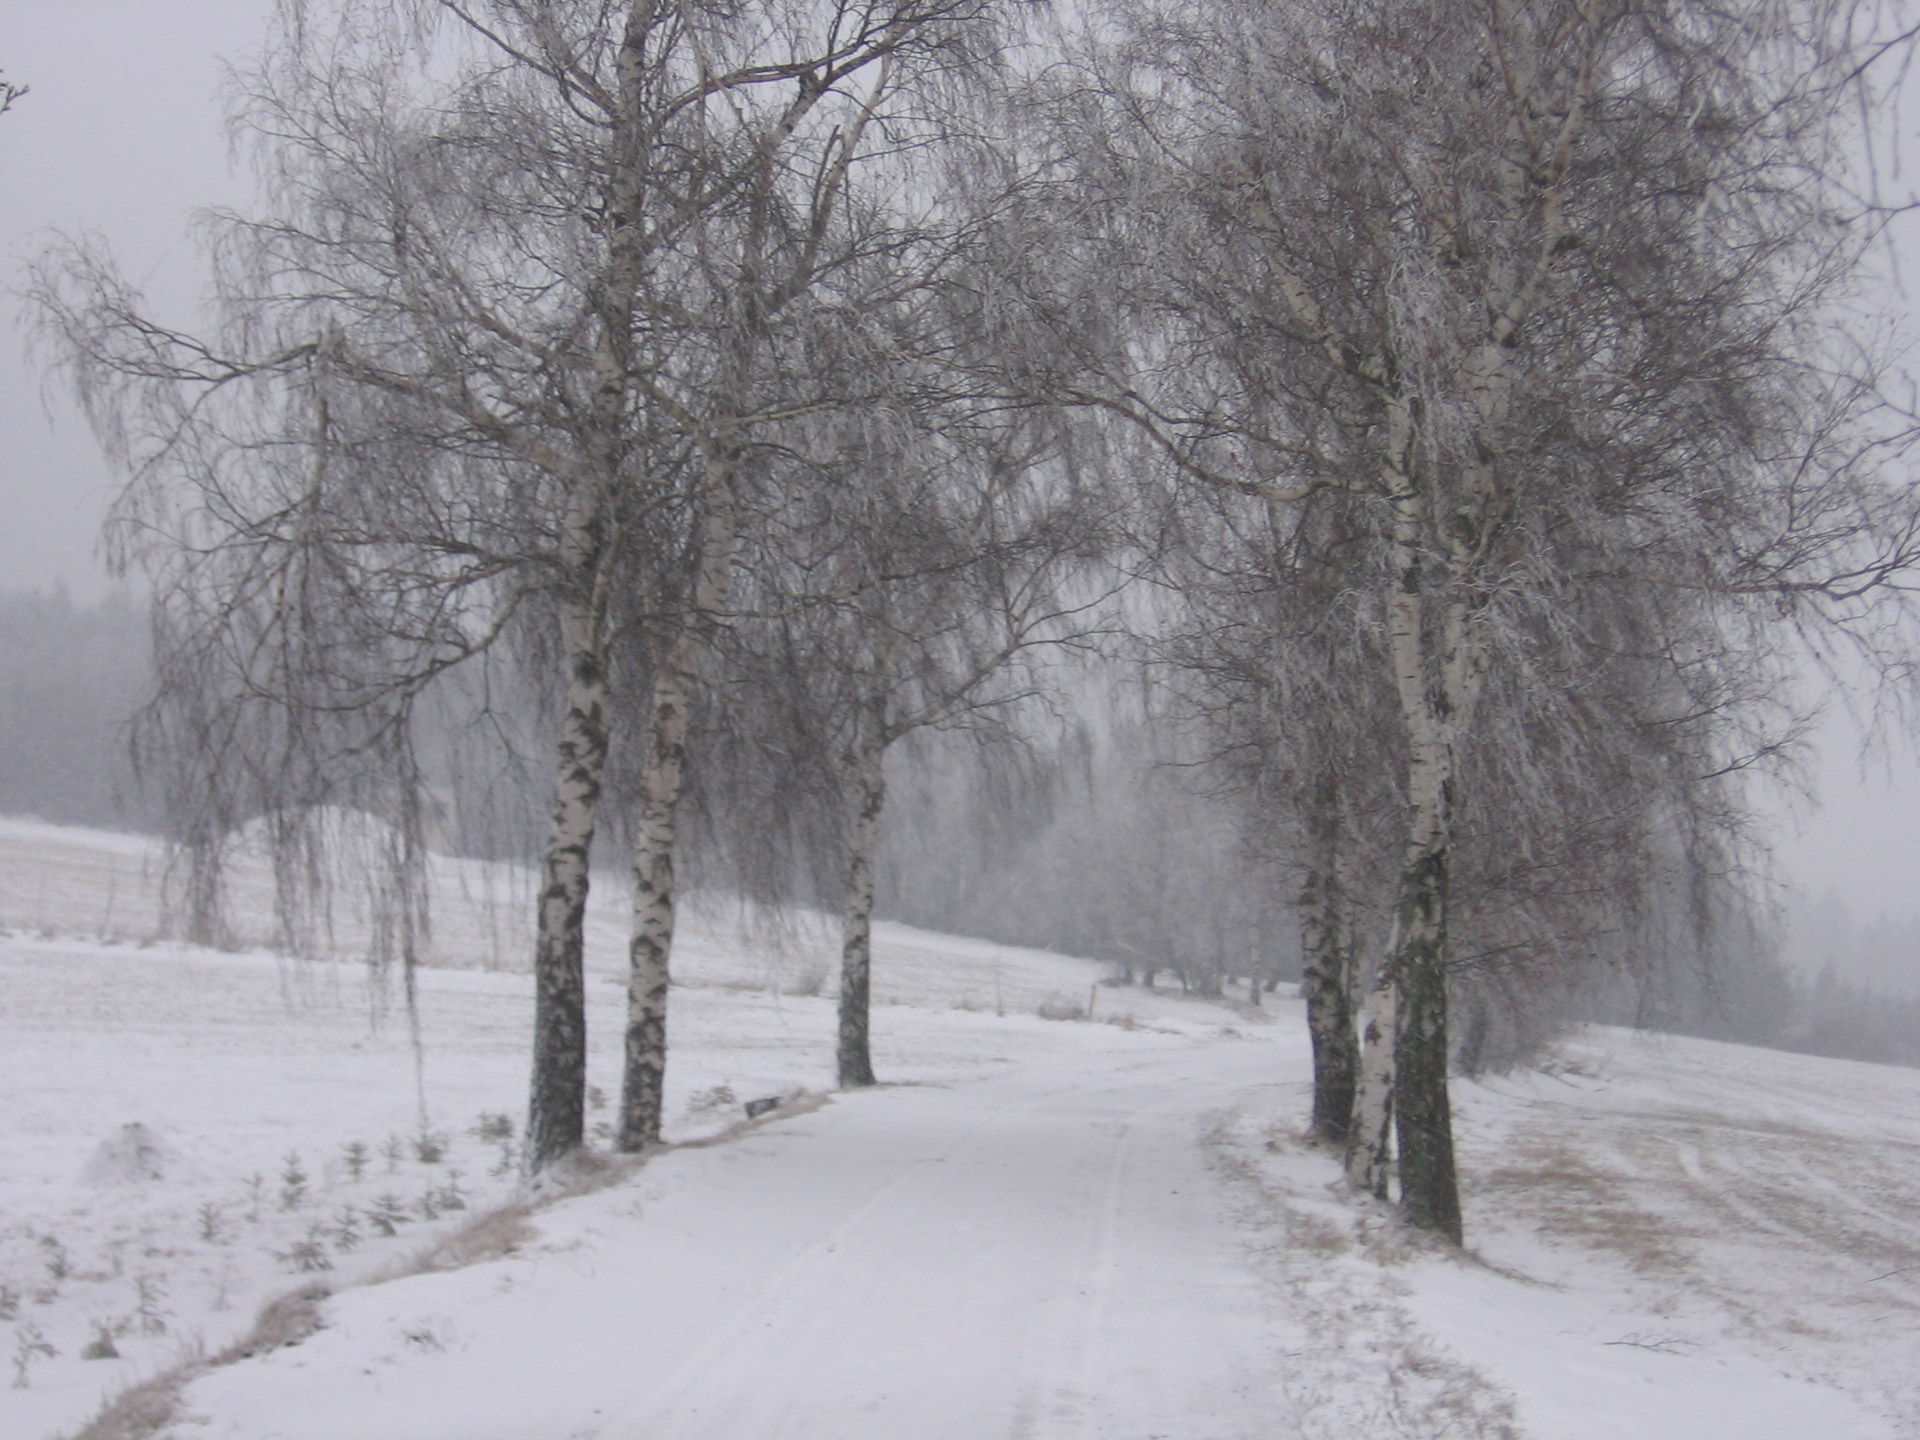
1037 1229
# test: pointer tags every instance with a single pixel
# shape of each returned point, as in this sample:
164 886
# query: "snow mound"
129 1156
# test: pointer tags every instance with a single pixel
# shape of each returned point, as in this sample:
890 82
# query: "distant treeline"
1853 1020
1098 841
71 674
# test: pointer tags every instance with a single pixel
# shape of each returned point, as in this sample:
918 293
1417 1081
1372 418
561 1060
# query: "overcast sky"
124 134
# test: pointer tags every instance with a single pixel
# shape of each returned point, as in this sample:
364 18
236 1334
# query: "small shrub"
357 1158
508 1162
293 1182
391 1151
493 1129
223 1286
307 1255
429 1146
212 1223
55 1257
30 1343
256 1191
9 1302
1055 1008
388 1214
596 1098
148 1291
452 1197
101 1346
346 1230
720 1097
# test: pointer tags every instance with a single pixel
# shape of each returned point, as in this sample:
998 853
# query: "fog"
123 134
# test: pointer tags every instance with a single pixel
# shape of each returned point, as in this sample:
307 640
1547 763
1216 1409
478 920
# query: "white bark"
650 948
855 1052
556 1107
1370 1140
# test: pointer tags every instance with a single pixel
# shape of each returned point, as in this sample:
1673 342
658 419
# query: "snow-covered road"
1041 1256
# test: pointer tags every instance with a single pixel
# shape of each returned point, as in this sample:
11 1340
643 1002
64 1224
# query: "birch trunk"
855 1056
556 1111
1326 980
1429 1183
556 1118
650 948
1370 1141
1431 703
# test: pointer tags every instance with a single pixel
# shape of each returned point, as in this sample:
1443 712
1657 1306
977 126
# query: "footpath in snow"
1032 1256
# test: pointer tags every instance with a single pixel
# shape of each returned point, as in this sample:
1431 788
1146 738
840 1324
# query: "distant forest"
71 675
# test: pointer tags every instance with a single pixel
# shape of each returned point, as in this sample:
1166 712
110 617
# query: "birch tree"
539 252
1545 287
950 559
821 199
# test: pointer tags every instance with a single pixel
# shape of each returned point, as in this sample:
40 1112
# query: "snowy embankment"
1046 1229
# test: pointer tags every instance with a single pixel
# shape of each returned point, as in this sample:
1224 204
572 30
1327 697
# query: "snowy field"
1038 1228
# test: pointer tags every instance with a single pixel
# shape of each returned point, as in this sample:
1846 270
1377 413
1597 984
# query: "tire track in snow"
712 1354
1104 1268
1019 1280
724 1360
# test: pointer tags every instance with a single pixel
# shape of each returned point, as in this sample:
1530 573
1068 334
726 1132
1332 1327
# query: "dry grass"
491 1235
1568 1198
144 1409
1315 1234
141 1410
582 1173
1364 1368
794 1102
286 1320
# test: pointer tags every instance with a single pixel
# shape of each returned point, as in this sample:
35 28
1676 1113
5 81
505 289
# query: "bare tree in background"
949 558
1275 649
